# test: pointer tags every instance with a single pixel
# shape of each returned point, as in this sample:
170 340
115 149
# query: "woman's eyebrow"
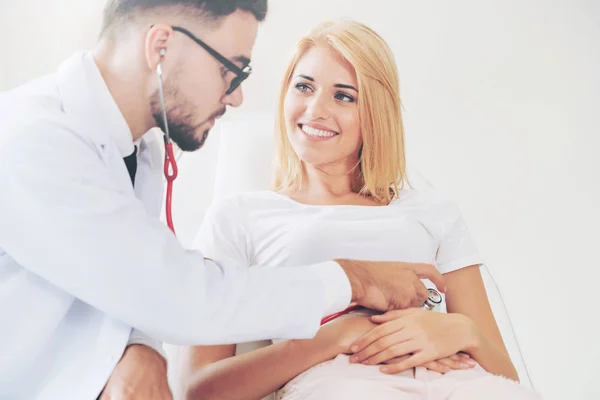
337 85
342 86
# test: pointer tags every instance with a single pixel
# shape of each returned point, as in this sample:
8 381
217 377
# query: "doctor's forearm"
258 373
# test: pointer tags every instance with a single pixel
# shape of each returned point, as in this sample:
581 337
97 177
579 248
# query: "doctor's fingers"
422 294
409 292
403 297
428 271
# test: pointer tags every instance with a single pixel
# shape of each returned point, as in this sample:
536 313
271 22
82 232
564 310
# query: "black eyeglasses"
240 73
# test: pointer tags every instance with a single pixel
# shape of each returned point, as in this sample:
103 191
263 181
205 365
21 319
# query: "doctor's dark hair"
117 12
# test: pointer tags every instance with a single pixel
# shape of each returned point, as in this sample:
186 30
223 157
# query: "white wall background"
501 102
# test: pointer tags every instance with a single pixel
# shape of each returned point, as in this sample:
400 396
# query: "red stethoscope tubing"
338 314
171 171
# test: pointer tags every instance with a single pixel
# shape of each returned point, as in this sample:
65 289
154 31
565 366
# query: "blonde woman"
341 190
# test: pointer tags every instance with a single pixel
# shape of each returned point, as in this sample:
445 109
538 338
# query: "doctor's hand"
388 286
141 374
419 337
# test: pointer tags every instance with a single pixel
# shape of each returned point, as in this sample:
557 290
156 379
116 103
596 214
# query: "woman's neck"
323 186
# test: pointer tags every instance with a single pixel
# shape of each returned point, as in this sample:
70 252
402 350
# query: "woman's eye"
224 72
302 87
344 97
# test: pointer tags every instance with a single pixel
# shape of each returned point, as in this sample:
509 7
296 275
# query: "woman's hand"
458 361
343 332
421 335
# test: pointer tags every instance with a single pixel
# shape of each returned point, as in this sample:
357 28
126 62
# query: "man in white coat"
86 265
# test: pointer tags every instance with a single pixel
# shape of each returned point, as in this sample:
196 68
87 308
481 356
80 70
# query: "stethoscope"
433 300
170 166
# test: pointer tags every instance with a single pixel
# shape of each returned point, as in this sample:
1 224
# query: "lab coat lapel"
90 107
88 102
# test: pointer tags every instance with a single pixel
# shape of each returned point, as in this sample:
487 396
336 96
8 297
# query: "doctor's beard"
180 117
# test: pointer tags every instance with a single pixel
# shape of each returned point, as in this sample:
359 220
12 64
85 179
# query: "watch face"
434 296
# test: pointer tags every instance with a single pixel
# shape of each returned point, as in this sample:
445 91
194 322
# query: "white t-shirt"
268 229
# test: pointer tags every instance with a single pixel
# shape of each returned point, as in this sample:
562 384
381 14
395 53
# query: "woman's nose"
317 107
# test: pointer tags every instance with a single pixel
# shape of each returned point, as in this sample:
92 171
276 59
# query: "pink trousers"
339 379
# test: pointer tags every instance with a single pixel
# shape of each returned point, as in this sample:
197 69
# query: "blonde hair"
381 171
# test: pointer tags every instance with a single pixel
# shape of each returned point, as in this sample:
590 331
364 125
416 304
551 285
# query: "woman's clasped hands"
404 339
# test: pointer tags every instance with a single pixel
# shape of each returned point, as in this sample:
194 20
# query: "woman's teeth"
317 132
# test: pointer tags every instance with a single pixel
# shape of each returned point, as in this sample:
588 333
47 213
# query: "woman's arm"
213 372
193 358
466 295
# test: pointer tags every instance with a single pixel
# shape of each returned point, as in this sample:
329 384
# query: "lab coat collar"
86 97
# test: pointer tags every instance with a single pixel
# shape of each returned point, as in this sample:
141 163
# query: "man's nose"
235 98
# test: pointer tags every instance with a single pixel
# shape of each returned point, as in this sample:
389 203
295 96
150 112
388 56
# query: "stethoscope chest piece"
434 299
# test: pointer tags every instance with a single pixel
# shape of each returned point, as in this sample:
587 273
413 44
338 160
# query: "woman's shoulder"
434 209
430 205
423 197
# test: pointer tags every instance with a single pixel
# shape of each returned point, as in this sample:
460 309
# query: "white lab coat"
84 258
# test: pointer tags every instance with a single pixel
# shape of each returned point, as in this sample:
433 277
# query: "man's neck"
125 84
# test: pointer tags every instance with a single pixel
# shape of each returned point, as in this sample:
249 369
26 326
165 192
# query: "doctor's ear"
156 43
